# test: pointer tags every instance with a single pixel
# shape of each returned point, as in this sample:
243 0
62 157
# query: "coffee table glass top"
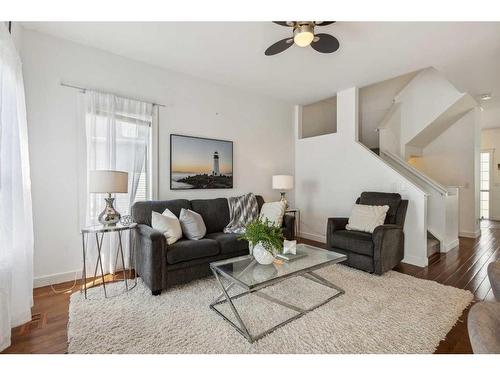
248 273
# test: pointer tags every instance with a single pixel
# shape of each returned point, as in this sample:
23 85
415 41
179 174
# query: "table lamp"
282 183
108 182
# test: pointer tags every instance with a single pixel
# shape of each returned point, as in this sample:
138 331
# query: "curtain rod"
83 89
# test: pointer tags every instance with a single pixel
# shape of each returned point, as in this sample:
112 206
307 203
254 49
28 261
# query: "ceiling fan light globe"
303 35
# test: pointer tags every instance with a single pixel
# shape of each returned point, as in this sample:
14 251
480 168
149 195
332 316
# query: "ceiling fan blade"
279 46
326 43
324 23
284 23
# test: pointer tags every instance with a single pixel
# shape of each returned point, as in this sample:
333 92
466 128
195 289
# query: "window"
115 145
485 170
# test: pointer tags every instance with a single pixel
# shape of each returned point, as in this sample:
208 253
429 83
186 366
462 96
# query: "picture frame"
200 163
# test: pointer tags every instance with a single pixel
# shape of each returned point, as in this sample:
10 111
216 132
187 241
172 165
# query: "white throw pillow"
274 212
168 224
192 224
366 218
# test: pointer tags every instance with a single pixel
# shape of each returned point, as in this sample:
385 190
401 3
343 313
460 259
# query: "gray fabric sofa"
375 252
161 266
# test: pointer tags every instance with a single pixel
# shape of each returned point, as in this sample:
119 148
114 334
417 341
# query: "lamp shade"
282 182
108 182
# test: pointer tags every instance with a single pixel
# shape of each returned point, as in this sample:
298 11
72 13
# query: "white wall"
261 129
375 102
450 160
319 118
490 140
422 101
332 170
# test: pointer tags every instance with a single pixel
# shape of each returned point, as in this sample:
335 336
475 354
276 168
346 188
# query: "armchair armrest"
334 224
388 250
151 254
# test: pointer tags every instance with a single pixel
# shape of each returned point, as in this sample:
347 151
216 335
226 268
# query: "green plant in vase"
265 238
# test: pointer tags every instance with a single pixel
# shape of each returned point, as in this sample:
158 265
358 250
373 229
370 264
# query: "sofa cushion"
215 213
168 224
357 242
273 211
141 211
365 218
184 250
192 225
393 200
228 242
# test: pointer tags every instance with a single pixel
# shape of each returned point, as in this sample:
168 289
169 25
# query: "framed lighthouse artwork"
200 163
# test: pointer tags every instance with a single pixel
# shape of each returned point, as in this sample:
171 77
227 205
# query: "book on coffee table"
292 257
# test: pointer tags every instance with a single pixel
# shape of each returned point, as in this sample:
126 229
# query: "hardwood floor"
463 267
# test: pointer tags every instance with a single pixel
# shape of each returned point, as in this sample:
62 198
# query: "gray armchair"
375 252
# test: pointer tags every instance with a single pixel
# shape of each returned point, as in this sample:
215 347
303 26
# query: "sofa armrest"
334 224
388 250
288 227
149 232
151 255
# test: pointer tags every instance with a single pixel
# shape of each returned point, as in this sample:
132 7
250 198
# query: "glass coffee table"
241 271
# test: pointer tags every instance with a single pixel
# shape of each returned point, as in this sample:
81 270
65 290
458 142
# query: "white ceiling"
232 53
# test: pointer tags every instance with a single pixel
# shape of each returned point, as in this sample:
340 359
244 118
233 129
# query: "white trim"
314 237
416 261
450 245
56 278
475 234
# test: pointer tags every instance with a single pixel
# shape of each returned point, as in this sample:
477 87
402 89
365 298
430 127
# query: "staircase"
425 108
442 203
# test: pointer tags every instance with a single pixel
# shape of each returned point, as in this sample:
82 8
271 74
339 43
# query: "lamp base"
109 216
283 199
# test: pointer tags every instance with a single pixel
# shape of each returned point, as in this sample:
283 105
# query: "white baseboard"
56 278
416 261
451 245
313 237
475 234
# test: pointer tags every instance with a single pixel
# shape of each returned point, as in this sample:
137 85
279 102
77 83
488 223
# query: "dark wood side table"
296 215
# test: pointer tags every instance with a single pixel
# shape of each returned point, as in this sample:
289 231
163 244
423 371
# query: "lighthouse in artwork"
216 171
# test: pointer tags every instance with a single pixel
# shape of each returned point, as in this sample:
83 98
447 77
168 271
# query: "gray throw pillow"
192 224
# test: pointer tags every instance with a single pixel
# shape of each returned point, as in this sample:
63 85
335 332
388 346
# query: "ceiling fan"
303 36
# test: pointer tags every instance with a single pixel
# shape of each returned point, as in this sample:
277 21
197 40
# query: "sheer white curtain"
118 133
16 223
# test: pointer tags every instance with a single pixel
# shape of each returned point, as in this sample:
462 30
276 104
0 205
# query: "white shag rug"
393 313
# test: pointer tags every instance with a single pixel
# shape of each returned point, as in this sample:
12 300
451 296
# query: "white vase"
261 255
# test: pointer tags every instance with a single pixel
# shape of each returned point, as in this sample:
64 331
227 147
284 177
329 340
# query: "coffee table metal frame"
307 273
